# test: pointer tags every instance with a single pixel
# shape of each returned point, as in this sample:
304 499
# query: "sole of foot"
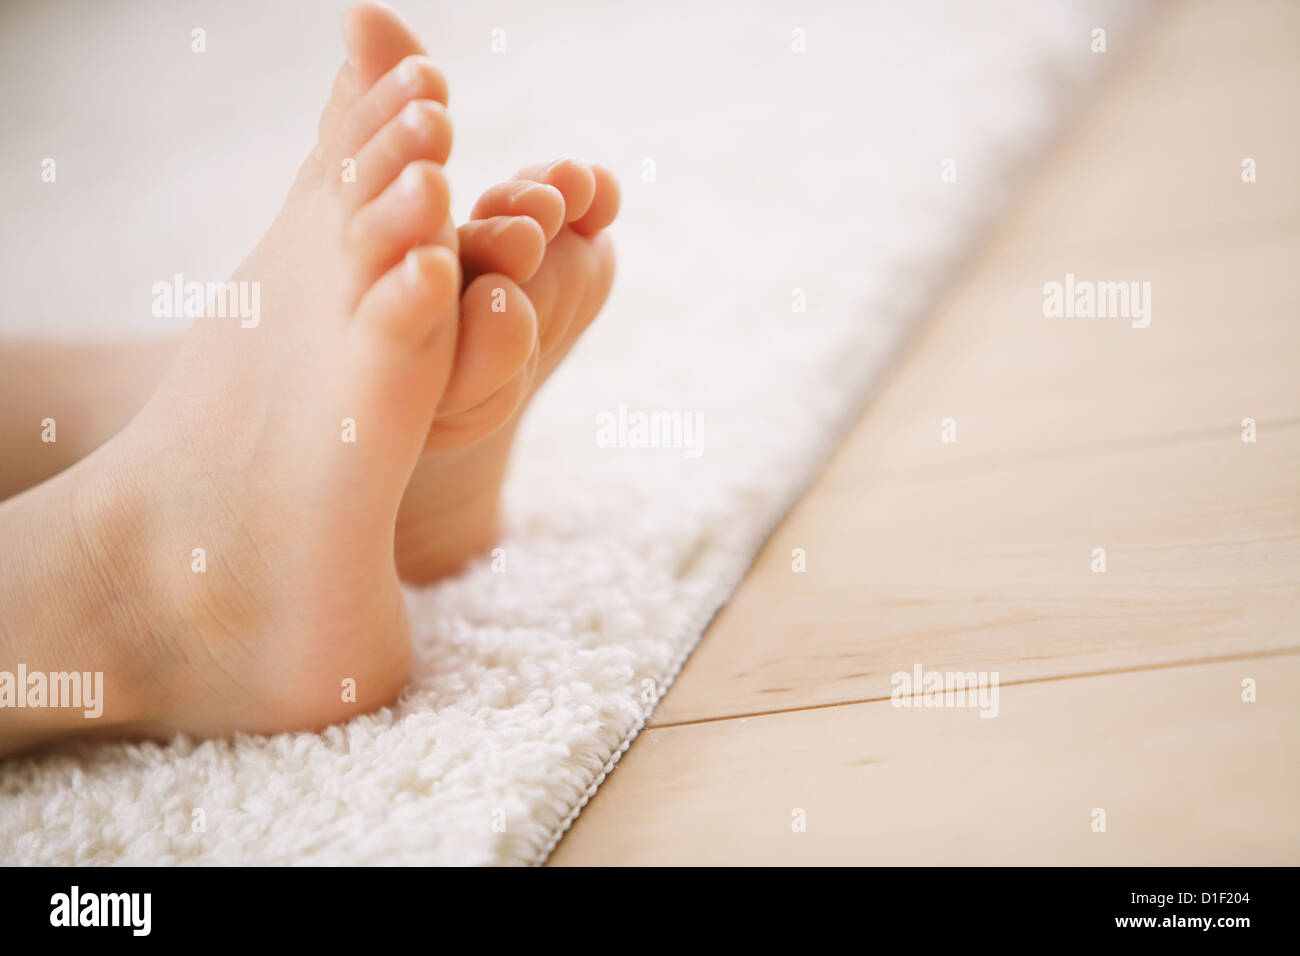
539 266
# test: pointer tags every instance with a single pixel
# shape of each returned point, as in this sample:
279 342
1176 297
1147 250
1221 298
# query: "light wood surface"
1119 691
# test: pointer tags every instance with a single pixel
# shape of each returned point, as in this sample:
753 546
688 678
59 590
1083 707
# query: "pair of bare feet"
230 560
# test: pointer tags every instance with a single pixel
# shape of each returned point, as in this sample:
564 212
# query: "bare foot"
538 269
227 559
534 250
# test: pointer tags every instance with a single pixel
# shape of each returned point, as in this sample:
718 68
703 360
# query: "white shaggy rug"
758 178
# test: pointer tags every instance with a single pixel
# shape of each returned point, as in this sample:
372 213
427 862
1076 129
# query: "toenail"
412 180
411 266
414 117
407 74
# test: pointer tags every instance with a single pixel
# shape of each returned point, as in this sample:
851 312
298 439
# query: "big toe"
377 39
403 341
496 357
604 204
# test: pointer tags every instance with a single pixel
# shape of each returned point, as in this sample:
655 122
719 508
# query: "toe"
402 342
572 178
497 335
412 210
407 303
524 197
343 96
568 290
513 245
474 424
421 130
414 78
604 204
377 41
377 38
593 275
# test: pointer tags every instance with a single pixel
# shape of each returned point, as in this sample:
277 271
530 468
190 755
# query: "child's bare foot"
227 559
550 214
538 269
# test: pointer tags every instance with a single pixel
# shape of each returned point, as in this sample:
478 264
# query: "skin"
377 311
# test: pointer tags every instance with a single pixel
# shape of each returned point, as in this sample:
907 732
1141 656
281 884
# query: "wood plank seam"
1047 678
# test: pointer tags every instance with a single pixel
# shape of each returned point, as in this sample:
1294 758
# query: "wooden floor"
1120 691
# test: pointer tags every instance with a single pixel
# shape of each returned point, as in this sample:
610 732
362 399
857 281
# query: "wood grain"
1119 690
1185 771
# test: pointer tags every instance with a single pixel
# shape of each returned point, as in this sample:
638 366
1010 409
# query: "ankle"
75 624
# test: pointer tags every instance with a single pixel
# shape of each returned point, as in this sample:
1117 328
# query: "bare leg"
90 391
225 561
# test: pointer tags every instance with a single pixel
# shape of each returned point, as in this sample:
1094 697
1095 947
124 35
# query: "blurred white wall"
771 164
